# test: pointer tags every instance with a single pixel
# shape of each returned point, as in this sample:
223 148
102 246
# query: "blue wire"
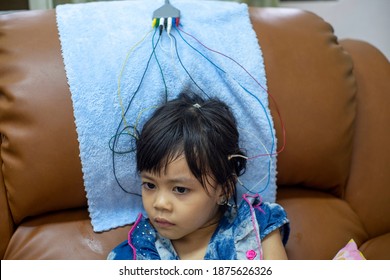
185 69
159 66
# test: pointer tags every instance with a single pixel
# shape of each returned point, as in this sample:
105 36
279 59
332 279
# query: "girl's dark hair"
204 131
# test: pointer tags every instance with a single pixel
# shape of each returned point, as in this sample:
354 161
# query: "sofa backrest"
41 165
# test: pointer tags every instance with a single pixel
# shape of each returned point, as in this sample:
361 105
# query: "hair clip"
237 155
196 105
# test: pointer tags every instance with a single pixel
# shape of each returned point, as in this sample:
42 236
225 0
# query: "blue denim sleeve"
121 252
272 216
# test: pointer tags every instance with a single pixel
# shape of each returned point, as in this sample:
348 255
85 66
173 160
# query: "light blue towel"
96 39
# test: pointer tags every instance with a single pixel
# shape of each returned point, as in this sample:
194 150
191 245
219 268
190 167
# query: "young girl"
189 159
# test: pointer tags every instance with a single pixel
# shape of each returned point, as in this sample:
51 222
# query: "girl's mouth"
161 222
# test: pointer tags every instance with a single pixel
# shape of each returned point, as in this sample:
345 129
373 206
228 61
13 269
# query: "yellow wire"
121 74
139 117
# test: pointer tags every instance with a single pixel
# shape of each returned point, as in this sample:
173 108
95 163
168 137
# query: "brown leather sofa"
333 176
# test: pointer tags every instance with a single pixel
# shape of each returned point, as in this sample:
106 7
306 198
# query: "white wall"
40 4
367 20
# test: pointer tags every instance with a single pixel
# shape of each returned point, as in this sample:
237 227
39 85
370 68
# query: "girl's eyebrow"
179 179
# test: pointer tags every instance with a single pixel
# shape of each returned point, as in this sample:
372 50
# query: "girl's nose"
162 202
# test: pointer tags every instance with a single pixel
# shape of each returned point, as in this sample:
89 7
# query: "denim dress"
237 237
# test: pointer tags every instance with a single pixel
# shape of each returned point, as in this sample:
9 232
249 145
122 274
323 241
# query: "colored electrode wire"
253 78
185 69
156 22
159 67
121 74
254 96
120 132
245 89
165 24
258 100
269 165
173 48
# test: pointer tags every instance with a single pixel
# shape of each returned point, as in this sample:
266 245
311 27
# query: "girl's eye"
180 190
148 186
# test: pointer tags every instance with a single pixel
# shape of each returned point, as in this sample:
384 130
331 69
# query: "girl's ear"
221 195
226 191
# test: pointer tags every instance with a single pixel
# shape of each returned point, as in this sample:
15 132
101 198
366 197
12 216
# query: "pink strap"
129 236
253 217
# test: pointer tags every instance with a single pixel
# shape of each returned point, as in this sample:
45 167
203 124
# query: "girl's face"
176 203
